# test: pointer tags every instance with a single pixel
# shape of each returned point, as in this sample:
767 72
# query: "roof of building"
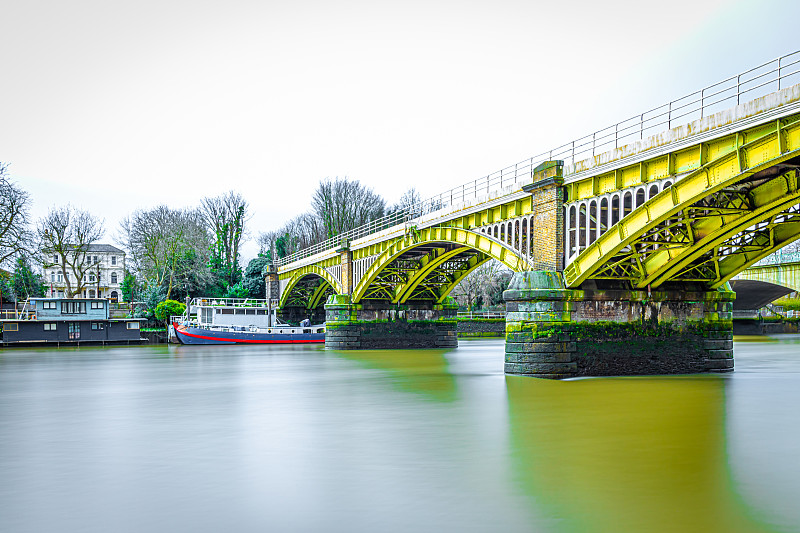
104 248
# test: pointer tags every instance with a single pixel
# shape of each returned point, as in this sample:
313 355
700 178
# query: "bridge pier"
555 332
375 325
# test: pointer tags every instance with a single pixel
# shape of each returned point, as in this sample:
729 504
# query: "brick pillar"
270 273
273 288
547 228
347 268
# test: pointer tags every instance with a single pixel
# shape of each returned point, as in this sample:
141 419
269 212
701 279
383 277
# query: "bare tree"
14 205
64 236
483 286
167 245
226 216
410 203
342 205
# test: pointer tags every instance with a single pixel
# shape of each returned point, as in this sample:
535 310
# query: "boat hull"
195 335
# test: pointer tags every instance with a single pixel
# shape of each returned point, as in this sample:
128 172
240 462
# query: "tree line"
338 205
171 253
174 253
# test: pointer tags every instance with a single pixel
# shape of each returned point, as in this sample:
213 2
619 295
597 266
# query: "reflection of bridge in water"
623 242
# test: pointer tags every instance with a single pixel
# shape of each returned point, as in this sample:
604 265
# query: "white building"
102 280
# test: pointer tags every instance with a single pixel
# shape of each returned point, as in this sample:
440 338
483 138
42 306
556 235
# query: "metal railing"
230 302
480 314
758 81
780 257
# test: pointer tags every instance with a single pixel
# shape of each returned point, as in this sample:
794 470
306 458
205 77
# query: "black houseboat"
67 321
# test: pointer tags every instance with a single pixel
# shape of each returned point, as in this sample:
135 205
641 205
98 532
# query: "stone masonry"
554 332
373 325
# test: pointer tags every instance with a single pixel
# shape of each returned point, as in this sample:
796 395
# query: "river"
241 438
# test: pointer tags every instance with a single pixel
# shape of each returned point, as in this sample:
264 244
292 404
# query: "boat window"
320 330
73 308
238 311
227 311
133 325
307 330
11 327
49 326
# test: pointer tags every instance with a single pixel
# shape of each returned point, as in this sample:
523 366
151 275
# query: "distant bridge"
678 200
769 279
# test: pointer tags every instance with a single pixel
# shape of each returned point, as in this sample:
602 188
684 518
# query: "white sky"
114 106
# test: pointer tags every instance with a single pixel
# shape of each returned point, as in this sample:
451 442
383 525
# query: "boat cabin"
231 312
67 320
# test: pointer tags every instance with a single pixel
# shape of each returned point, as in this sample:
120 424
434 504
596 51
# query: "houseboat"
67 321
239 321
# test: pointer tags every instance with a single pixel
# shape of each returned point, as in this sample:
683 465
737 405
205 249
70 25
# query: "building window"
91 278
97 305
11 327
97 325
114 296
60 294
74 331
133 325
60 276
113 259
52 277
113 277
73 308
94 259
49 305
50 326
91 293
55 259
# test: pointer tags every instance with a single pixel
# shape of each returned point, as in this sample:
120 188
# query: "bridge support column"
554 332
375 325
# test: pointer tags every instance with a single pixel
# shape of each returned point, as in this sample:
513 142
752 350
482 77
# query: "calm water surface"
239 438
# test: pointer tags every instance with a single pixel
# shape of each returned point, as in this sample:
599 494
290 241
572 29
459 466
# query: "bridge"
767 280
622 242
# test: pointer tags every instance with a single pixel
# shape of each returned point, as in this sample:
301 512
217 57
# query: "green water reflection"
635 454
422 372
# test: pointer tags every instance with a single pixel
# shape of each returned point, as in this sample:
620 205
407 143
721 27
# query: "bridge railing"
480 314
780 257
758 81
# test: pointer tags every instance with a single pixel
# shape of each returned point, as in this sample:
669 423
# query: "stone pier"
375 325
554 332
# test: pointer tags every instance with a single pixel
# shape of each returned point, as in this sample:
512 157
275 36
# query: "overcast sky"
115 106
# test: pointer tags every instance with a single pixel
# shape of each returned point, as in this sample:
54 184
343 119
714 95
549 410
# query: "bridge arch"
470 248
312 298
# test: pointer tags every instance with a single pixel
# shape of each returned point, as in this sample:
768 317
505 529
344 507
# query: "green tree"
253 280
226 216
168 308
130 287
24 282
237 290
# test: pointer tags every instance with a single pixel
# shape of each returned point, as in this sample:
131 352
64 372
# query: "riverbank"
481 327
766 326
